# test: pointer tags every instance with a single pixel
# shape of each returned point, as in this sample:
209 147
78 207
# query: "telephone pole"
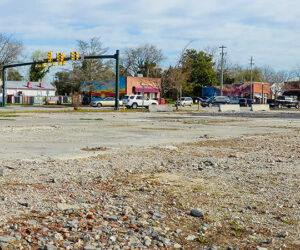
222 66
251 83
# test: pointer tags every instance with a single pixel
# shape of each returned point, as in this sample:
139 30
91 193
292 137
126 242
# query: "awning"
146 89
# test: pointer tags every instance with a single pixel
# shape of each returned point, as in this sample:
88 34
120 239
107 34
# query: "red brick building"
152 86
261 90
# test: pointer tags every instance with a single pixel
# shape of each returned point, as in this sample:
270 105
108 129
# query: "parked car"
286 101
160 101
197 99
106 102
184 101
216 101
243 102
135 101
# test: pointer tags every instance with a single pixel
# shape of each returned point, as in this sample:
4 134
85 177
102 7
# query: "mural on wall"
102 89
233 90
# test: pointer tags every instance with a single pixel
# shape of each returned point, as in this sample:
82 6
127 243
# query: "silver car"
106 102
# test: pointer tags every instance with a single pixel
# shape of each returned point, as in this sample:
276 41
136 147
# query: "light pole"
251 83
222 66
262 93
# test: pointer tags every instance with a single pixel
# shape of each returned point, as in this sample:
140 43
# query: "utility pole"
251 83
222 66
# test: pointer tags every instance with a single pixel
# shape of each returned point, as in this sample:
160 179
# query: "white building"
21 91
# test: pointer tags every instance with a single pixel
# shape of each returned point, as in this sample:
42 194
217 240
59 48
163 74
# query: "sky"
267 30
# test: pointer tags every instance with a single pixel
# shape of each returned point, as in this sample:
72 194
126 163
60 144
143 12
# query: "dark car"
244 102
216 101
199 99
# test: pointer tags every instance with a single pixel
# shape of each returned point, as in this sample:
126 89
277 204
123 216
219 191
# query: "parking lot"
65 135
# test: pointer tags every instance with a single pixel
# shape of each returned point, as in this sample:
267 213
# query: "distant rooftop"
23 84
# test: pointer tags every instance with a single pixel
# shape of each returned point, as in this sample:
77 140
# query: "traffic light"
60 63
57 57
76 55
49 56
64 63
53 63
72 55
44 65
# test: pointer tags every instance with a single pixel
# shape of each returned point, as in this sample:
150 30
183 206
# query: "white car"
106 102
134 101
185 101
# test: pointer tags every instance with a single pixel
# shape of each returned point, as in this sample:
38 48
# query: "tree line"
193 70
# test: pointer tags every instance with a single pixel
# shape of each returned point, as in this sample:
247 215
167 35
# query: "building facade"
23 92
129 85
260 90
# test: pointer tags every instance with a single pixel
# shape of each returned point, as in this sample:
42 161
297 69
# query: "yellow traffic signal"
53 63
57 56
59 63
72 55
76 55
64 63
49 56
39 65
44 65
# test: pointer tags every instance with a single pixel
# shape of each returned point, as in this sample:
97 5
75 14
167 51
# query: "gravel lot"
149 180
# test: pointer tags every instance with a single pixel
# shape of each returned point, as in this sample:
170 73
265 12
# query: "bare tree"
94 69
10 49
141 60
295 73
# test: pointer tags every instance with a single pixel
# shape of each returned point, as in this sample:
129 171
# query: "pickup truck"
134 101
285 101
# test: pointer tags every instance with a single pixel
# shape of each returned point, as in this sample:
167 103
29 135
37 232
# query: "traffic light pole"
115 56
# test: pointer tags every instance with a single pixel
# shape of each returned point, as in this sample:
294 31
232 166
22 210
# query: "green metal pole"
3 88
117 80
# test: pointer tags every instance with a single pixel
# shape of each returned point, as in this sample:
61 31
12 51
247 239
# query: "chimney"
41 85
29 85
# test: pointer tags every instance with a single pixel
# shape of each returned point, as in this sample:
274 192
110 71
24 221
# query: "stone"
58 237
196 213
213 247
111 218
178 231
49 247
32 222
65 206
261 248
112 239
89 247
176 246
147 241
7 239
190 237
282 234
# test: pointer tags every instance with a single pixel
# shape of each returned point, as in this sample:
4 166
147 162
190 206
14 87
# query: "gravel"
246 195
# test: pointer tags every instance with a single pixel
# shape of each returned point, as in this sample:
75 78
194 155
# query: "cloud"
266 30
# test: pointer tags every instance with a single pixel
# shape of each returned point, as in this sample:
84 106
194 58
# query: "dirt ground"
131 180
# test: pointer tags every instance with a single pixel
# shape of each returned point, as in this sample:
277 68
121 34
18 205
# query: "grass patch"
9 115
91 119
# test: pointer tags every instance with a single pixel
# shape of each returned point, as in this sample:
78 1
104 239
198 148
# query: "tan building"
135 85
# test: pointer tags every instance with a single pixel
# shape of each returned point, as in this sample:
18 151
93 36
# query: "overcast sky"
268 30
